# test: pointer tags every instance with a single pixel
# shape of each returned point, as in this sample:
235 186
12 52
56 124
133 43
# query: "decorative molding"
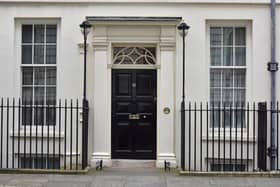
167 46
132 66
100 46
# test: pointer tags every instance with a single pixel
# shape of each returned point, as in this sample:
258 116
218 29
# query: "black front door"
134 114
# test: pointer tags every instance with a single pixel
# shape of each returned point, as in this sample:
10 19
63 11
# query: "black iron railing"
38 136
230 137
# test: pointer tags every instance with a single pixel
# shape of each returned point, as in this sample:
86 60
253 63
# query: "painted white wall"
70 62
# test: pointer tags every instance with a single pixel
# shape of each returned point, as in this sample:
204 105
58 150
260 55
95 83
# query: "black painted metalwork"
183 28
85 28
166 165
232 137
31 141
262 136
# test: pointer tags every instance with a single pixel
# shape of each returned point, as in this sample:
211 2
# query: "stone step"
122 163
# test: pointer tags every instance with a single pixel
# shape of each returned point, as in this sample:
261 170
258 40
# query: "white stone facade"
200 15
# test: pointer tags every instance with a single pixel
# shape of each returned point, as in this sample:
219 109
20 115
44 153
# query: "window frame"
230 23
19 23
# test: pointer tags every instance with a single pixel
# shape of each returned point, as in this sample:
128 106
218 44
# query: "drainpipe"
273 68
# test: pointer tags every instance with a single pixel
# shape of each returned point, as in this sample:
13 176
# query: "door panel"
134 114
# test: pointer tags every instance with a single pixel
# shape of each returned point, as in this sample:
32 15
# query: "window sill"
234 138
51 134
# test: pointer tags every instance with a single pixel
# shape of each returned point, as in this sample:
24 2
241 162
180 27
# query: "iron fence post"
85 135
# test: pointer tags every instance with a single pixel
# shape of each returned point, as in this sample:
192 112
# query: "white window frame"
248 93
19 22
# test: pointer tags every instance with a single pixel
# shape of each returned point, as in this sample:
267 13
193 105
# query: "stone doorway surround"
107 32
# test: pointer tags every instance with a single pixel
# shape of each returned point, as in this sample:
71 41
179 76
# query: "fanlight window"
134 55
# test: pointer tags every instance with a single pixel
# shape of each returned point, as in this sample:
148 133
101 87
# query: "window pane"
51 96
39 95
215 117
240 78
26 54
39 76
216 56
228 117
228 36
215 36
51 33
40 163
50 115
215 96
215 78
240 56
240 117
27 95
39 32
227 78
26 162
26 115
26 33
239 96
51 76
27 76
39 115
227 96
240 36
38 54
227 56
51 54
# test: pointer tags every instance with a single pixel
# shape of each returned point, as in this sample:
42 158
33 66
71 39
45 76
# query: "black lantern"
183 30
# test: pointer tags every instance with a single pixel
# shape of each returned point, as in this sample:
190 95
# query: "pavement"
140 177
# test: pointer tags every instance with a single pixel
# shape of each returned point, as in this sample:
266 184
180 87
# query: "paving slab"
140 177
